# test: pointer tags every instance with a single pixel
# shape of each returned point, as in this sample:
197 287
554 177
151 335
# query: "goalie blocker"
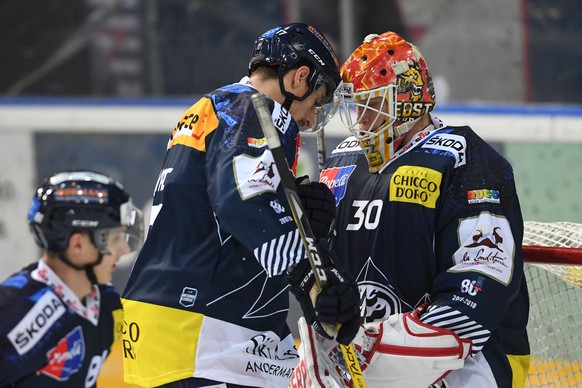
401 351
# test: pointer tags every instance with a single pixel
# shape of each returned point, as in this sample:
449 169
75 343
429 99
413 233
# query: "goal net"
553 255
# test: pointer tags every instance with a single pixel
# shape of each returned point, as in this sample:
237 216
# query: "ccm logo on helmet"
317 57
36 323
85 223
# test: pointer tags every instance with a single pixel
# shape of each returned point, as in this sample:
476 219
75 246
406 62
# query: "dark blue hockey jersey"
440 224
207 296
47 338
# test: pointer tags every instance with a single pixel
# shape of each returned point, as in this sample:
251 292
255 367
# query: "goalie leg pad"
399 352
314 369
403 351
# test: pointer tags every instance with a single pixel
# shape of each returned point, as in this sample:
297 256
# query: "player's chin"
104 278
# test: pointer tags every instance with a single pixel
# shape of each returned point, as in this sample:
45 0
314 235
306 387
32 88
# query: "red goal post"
553 256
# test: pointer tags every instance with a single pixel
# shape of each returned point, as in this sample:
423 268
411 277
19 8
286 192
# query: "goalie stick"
288 181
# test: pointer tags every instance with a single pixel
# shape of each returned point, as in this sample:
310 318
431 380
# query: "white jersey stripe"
281 252
465 327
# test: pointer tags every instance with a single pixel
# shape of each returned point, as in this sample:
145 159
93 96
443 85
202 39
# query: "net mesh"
555 322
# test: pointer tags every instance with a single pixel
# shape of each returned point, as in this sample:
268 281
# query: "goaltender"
429 221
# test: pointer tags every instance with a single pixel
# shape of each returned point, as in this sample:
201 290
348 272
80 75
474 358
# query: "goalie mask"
387 87
289 46
83 201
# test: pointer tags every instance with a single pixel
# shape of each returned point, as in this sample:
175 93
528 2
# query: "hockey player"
429 222
207 299
61 315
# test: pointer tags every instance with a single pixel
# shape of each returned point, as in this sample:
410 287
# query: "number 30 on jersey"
367 214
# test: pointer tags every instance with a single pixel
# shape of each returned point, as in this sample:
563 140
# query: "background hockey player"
207 300
429 222
61 315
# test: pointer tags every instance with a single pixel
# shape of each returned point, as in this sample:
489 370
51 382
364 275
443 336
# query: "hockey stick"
321 151
302 222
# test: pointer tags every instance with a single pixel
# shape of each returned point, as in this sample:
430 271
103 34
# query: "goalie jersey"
48 339
440 224
207 296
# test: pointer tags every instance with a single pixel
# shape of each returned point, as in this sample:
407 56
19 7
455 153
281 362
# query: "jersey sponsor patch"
36 323
336 179
257 143
281 118
255 175
66 358
414 184
198 122
453 144
253 358
486 246
483 195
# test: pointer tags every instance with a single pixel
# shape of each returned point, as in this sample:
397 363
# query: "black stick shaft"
321 151
288 182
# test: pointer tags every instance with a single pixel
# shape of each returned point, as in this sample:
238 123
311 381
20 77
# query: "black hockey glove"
319 205
339 303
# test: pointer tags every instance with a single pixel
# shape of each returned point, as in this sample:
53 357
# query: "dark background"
151 48
183 47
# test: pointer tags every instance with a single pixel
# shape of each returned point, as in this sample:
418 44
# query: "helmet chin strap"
287 103
88 268
289 97
404 127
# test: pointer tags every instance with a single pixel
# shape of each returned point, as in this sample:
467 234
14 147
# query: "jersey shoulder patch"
447 142
199 121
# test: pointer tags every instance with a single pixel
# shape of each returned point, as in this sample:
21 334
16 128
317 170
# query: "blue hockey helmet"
76 201
291 45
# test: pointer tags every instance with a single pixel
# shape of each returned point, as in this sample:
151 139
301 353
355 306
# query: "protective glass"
123 239
323 114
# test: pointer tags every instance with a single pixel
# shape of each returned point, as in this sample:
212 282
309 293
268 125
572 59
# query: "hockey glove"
338 303
318 202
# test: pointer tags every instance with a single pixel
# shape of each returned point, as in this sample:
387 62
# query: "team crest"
378 300
255 175
486 246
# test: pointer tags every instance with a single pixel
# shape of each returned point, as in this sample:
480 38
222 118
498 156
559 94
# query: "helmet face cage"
386 66
292 45
355 107
77 201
